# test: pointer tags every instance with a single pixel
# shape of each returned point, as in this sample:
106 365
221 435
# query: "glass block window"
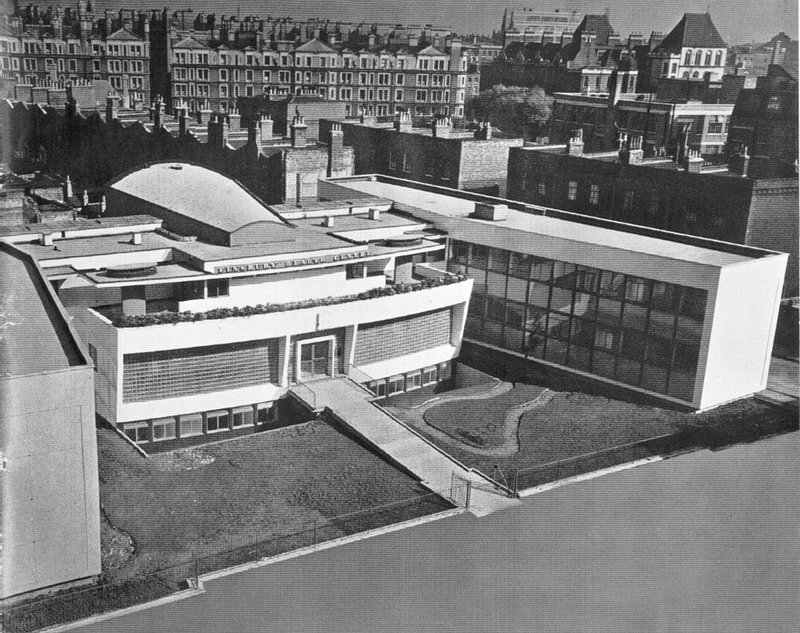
399 337
183 372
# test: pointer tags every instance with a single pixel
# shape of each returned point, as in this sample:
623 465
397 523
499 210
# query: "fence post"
469 494
516 483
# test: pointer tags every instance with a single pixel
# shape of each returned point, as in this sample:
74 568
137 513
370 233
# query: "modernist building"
205 312
438 154
692 50
523 24
684 196
665 125
48 450
212 62
656 312
45 48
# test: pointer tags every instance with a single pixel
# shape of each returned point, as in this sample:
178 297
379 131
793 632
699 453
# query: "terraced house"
211 63
50 47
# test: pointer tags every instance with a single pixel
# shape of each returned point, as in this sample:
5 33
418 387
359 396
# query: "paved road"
703 542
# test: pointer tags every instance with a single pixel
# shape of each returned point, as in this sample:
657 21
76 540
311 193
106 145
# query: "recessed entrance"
315 358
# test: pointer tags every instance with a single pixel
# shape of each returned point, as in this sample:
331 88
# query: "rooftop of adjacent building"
544 221
34 334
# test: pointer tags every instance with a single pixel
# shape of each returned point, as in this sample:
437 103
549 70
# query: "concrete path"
352 405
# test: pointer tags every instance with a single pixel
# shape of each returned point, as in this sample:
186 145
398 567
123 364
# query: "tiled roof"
123 36
694 29
314 46
190 42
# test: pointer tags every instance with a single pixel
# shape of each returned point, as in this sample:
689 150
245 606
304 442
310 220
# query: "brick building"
720 203
93 147
693 49
665 124
438 154
49 47
764 121
209 63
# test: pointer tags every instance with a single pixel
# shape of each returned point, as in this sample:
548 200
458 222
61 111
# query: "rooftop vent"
403 240
374 214
130 271
329 221
491 212
47 239
176 166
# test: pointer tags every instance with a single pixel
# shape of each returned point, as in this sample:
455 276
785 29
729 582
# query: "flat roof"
453 205
198 193
80 224
34 337
98 245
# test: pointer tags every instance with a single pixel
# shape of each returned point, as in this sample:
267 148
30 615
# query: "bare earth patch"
211 499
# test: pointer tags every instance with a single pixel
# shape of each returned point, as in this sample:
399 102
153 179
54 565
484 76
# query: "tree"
514 109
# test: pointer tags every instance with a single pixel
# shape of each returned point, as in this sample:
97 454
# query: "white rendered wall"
745 314
285 288
93 327
51 506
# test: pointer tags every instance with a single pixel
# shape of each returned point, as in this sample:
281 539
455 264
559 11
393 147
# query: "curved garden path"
510 445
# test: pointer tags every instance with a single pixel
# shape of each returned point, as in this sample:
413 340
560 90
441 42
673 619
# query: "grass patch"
480 422
208 500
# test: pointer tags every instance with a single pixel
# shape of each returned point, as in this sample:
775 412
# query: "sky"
738 21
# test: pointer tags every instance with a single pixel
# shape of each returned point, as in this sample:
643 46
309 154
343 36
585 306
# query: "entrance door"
316 359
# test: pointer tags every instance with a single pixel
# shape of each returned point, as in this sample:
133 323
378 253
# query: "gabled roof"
314 46
190 42
694 29
430 50
597 24
125 36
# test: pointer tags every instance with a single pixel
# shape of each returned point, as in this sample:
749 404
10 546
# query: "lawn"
480 421
219 497
564 426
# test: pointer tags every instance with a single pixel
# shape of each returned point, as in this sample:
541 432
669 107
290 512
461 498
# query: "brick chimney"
234 121
368 116
298 131
631 153
266 127
254 137
217 131
111 108
336 162
575 143
403 122
66 189
693 162
158 113
739 162
440 128
182 113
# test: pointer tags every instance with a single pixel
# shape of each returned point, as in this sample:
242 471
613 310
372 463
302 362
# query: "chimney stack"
217 132
631 153
234 121
740 162
266 127
158 111
182 112
693 162
441 127
575 143
403 122
329 221
298 131
67 189
111 108
254 137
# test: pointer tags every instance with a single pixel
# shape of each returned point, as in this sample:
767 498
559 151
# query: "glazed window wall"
634 330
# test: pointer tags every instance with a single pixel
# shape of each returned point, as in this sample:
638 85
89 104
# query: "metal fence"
76 604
